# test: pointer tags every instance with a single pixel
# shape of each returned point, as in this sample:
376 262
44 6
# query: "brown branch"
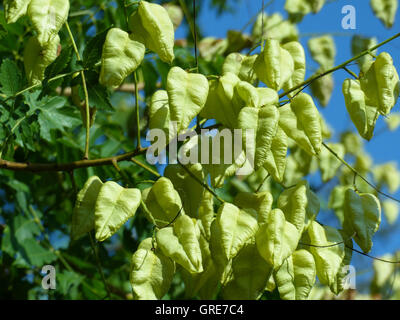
46 167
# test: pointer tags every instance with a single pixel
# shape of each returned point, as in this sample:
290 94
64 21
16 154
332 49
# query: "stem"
139 145
140 164
195 36
87 106
358 174
341 66
204 185
98 264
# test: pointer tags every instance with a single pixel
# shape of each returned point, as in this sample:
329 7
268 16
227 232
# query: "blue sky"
384 147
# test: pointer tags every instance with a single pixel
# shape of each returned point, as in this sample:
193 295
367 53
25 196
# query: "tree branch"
46 167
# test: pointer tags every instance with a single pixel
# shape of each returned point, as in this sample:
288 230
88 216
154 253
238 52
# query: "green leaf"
151 272
93 50
152 26
114 206
48 16
362 216
10 78
99 98
180 243
83 215
187 95
276 238
120 57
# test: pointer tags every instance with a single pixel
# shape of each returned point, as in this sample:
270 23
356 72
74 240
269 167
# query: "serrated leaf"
114 206
10 78
93 50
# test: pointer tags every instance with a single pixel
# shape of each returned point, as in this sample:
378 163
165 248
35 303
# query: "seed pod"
37 58
120 57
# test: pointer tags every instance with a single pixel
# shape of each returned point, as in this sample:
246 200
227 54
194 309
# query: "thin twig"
98 264
358 174
139 145
140 164
85 91
204 185
344 64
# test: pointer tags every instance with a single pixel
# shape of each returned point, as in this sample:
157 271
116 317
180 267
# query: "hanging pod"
83 214
385 10
301 121
114 206
152 26
162 202
15 9
296 277
159 114
381 84
187 95
240 65
151 272
328 163
265 123
231 229
362 216
274 66
360 44
48 16
38 57
299 8
323 51
190 191
363 116
180 243
300 205
297 53
120 57
328 251
276 238
250 274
